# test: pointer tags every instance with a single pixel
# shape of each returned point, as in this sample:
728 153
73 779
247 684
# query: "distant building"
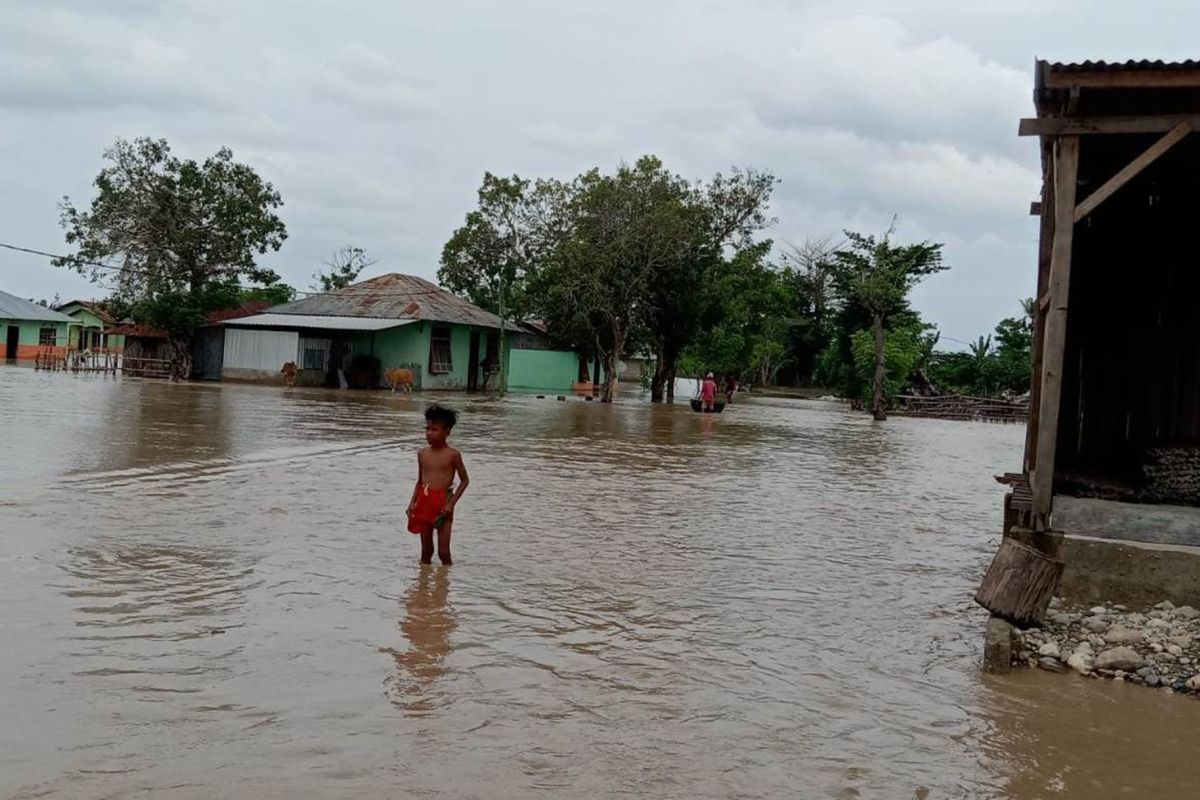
147 342
393 321
92 323
29 328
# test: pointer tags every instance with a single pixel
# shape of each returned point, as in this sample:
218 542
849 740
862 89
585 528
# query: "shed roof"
13 307
394 296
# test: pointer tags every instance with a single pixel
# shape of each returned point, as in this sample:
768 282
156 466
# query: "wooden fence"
964 407
59 359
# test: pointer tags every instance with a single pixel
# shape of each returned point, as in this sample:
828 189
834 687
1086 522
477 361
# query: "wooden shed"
1115 404
1115 409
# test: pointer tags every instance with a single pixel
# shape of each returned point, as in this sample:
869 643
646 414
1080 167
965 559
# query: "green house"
91 323
27 328
355 335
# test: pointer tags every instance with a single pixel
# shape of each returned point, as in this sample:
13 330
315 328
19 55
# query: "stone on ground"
1120 658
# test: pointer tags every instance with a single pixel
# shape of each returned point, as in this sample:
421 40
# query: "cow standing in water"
289 373
399 378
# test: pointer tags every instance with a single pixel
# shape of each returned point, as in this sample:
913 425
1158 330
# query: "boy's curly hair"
442 414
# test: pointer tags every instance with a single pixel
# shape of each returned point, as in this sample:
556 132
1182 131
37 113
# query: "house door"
10 346
473 363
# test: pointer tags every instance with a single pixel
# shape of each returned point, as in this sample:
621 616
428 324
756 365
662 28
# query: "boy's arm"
464 481
416 487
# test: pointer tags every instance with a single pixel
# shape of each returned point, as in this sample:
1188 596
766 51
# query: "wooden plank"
1066 170
1131 170
1080 126
1045 244
1035 208
1124 79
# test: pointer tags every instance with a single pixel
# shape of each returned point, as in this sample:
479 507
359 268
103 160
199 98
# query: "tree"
876 276
623 230
491 258
745 331
176 235
725 213
808 267
342 269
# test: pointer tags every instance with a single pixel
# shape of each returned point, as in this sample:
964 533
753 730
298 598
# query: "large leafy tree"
175 236
750 310
493 256
876 276
724 214
625 230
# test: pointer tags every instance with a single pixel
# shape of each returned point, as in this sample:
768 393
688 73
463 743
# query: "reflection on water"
427 625
208 591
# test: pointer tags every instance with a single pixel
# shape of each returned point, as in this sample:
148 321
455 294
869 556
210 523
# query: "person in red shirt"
708 392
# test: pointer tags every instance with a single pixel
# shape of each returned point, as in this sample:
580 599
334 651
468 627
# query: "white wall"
260 350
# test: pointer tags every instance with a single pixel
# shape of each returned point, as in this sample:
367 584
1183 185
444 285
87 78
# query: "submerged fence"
60 359
964 407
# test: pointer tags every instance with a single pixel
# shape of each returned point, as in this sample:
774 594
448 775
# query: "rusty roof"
394 296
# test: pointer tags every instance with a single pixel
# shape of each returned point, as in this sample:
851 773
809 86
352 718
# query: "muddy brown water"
206 591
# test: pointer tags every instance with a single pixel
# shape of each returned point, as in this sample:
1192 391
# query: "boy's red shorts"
430 505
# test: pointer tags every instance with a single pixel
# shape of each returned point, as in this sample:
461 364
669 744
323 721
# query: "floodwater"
206 591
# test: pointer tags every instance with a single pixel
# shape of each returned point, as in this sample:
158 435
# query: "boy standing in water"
434 497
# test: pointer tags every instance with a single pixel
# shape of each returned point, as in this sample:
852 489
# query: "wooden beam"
1124 79
1151 154
1066 171
1035 208
1081 126
1045 245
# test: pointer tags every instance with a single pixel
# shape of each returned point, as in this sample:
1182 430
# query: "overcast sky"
376 120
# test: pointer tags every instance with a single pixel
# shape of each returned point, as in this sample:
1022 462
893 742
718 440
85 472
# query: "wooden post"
1066 169
1045 245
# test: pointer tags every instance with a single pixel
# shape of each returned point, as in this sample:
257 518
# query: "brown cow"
399 378
289 373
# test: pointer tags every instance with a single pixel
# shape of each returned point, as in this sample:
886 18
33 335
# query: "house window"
439 350
314 358
48 337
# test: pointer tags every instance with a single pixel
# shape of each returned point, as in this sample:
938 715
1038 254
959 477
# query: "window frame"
441 349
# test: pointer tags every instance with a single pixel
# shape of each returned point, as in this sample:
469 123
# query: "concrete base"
1136 574
1137 522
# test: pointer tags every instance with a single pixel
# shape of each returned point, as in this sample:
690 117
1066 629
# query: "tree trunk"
879 407
659 379
672 374
610 362
179 352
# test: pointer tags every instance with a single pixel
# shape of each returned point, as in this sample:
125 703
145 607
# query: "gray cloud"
376 120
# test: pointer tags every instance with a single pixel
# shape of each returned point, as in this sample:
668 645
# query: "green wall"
542 370
528 370
87 319
31 331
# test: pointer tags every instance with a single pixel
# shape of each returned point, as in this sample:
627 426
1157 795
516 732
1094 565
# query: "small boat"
718 406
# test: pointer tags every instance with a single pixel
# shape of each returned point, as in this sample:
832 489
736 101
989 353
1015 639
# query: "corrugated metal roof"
1133 65
319 321
13 307
395 296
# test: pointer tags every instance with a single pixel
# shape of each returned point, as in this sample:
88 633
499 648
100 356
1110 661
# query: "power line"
75 261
